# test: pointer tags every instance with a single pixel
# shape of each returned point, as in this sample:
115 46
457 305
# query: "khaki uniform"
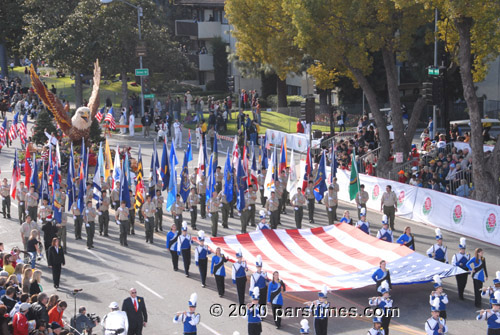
219 176
192 203
105 186
26 229
260 180
115 199
149 210
131 218
78 219
251 201
245 213
177 209
224 209
159 213
104 216
122 215
298 201
389 203
32 203
192 179
331 203
202 190
89 215
44 213
213 210
89 196
272 206
361 199
309 193
21 204
5 193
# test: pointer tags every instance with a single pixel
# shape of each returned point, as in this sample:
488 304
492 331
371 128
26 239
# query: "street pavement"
106 273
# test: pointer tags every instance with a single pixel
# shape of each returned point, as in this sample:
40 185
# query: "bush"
292 100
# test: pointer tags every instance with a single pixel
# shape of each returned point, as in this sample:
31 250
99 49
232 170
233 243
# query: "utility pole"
434 107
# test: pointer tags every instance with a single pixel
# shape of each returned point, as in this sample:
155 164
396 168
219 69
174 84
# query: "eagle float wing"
51 102
94 97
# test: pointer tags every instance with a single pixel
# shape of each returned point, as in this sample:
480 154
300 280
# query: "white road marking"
97 256
209 329
150 290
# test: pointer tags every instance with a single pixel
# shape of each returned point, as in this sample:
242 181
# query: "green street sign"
142 72
432 71
149 96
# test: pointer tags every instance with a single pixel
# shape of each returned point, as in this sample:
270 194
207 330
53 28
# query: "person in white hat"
385 233
239 276
492 316
253 313
115 322
189 319
377 329
438 251
439 295
383 303
304 326
321 310
262 225
201 257
259 279
363 224
184 247
490 290
20 322
435 324
460 259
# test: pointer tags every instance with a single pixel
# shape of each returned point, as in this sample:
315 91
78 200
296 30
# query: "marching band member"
435 325
460 259
189 319
385 233
477 266
172 237
490 291
407 238
492 316
253 313
259 279
382 274
346 218
239 276
384 302
201 257
439 295
377 327
275 297
184 248
263 223
304 326
363 224
219 271
320 309
437 250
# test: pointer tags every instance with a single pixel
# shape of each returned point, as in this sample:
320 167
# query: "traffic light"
145 83
230 83
427 88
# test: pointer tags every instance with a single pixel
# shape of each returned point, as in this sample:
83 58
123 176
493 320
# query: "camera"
93 317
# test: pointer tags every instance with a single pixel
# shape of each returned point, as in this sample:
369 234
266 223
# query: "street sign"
140 49
433 71
149 96
142 72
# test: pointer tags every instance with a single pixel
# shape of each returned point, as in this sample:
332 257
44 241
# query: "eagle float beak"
85 116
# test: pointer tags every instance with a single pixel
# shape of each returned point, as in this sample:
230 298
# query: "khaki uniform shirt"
202 187
149 209
26 228
178 208
159 201
272 204
219 176
261 179
213 205
115 196
252 197
89 214
192 179
298 200
122 213
32 199
222 197
89 196
5 190
105 186
75 209
104 204
389 199
44 211
362 197
331 199
310 192
21 195
192 200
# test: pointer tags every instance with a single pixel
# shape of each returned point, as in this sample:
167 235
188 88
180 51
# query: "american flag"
99 114
13 128
2 133
23 129
109 117
341 257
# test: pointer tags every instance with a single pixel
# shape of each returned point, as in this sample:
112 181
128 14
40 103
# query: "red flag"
27 167
16 175
308 170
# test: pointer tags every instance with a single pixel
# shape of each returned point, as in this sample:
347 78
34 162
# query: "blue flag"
96 185
189 148
56 186
71 191
172 193
81 185
229 179
320 182
215 152
155 165
44 185
34 175
205 156
184 188
124 190
264 162
333 165
242 186
211 178
173 156
164 172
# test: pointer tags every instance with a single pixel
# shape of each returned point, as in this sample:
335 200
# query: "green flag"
354 182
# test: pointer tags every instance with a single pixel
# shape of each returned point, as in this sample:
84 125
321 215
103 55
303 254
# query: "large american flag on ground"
13 128
341 257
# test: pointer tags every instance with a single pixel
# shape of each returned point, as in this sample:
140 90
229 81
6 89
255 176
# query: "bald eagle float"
78 126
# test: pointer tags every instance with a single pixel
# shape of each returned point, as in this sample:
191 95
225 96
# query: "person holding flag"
332 201
320 181
192 203
226 195
5 193
298 201
213 207
21 193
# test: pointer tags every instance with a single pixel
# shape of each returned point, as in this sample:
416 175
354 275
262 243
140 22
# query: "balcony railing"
200 30
203 62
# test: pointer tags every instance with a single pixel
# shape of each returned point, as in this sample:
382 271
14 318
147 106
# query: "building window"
294 90
224 18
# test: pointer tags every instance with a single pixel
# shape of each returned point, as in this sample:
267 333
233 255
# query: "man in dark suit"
137 315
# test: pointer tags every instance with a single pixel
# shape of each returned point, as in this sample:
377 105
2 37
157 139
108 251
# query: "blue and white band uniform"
172 240
376 332
239 270
364 226
258 280
190 320
385 234
253 314
432 326
460 260
262 226
492 319
220 270
201 252
406 239
443 301
183 243
439 253
479 266
381 302
490 291
275 290
379 275
321 309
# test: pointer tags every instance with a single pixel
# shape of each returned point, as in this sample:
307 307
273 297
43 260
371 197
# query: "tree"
265 35
345 35
470 30
43 122
11 31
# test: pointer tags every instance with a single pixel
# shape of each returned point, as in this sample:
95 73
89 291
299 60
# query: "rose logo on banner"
273 135
401 198
458 214
427 207
490 224
375 192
